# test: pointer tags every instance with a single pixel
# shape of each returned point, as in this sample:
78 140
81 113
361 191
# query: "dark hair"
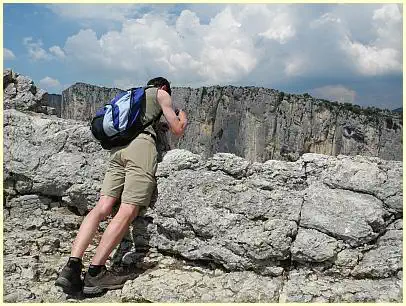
160 81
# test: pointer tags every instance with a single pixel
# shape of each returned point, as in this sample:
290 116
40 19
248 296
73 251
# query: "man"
130 176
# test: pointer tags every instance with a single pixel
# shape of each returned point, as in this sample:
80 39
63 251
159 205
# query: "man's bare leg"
90 223
115 232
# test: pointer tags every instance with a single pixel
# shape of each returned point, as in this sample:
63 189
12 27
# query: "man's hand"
177 123
182 118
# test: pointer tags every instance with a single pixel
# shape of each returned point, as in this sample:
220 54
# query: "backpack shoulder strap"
158 116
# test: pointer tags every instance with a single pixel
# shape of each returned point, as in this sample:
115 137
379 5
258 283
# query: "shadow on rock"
74 295
134 248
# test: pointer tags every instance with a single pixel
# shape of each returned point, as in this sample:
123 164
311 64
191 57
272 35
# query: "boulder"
219 229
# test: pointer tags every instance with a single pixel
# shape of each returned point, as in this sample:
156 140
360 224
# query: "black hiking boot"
69 278
105 280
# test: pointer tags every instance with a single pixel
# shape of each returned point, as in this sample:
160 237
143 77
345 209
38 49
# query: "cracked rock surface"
220 229
21 93
260 124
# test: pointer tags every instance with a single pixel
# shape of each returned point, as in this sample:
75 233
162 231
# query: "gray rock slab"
176 286
211 216
369 175
248 225
306 286
313 246
356 218
385 260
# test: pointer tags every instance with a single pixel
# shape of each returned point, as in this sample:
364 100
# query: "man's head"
161 83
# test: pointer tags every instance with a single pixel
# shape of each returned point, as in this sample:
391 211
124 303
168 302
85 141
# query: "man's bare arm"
177 124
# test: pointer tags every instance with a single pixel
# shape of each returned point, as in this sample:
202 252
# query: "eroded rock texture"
261 124
21 93
81 101
221 229
318 229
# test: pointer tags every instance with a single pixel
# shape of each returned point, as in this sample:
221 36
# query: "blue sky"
341 52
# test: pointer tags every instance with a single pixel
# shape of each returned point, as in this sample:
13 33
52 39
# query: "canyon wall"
260 124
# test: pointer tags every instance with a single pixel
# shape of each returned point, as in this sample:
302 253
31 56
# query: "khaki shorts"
131 172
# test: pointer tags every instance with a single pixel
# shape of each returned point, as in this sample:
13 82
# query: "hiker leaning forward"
131 176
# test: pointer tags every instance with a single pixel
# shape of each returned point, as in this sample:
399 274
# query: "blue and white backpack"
119 122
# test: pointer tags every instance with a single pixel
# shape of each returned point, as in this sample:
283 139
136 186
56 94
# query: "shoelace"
117 270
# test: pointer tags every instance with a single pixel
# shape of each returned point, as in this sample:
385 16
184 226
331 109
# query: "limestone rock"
54 156
166 286
55 102
220 229
8 76
360 174
305 286
81 101
311 245
259 124
21 93
385 260
356 218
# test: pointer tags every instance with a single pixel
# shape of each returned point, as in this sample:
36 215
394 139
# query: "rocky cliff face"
81 101
260 124
55 101
21 93
220 229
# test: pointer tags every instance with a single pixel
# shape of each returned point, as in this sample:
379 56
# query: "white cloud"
57 52
236 43
225 20
8 54
294 66
383 55
271 22
49 83
281 28
202 53
335 93
203 11
35 50
388 26
388 13
37 53
327 18
371 60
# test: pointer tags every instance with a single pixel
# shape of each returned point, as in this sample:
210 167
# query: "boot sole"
66 285
100 289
